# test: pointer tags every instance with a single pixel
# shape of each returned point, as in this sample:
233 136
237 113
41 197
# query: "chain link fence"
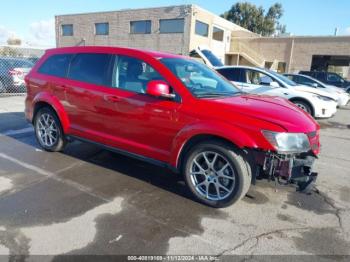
15 64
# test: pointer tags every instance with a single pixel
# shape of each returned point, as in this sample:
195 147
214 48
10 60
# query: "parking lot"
91 201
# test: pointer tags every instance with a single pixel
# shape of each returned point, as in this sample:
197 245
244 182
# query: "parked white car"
342 96
318 103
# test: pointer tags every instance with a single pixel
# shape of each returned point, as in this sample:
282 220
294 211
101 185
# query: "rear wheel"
303 105
48 130
216 173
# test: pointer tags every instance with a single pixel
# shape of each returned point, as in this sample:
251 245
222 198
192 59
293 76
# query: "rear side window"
56 65
91 68
232 74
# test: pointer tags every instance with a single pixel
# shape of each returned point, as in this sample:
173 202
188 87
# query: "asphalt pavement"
88 201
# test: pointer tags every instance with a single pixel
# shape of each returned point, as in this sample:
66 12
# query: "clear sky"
33 20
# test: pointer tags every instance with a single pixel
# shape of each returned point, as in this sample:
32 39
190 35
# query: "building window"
218 34
67 30
102 28
140 27
202 28
167 26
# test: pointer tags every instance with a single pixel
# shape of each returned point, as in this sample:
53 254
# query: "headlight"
324 98
288 142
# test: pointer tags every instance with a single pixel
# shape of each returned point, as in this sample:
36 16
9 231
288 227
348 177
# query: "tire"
303 106
211 180
46 131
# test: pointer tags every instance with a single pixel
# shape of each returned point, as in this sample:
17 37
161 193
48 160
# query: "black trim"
125 153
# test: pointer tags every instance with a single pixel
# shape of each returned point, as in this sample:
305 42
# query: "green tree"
255 18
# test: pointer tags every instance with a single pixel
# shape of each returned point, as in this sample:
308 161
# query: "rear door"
87 89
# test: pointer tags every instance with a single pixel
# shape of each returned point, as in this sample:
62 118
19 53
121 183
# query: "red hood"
275 110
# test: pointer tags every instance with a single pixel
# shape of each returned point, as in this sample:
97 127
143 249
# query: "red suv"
171 111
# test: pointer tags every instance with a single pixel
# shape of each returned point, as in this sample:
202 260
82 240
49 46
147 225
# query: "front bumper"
286 169
343 100
325 109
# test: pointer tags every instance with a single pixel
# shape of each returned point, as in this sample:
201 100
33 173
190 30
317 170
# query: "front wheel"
48 130
304 106
216 173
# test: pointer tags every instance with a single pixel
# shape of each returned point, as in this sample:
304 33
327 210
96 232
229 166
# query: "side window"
91 68
257 78
307 82
232 74
333 78
133 74
56 65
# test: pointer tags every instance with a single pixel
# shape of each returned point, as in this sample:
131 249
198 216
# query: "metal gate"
15 64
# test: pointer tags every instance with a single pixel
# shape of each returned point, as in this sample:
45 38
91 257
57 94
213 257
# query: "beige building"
181 29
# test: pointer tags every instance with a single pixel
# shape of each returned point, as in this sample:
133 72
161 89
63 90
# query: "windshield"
283 78
212 58
200 80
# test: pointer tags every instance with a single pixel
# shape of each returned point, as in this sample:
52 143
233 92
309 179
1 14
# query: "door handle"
112 99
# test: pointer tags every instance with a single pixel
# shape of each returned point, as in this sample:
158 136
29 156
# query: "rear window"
91 68
56 65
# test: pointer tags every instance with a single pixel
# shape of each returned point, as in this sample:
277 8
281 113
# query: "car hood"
275 110
314 91
335 89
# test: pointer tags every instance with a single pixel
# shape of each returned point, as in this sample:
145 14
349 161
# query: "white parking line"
52 175
17 132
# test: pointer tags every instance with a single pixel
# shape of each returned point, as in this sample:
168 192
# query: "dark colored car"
172 111
329 79
12 73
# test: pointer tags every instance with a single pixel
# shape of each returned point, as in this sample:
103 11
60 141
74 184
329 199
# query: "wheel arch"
199 133
46 100
294 99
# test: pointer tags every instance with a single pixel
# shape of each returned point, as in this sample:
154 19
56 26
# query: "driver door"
146 125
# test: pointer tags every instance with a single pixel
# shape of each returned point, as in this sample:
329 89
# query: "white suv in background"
255 80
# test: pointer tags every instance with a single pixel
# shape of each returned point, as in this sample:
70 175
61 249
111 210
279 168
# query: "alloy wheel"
47 130
212 175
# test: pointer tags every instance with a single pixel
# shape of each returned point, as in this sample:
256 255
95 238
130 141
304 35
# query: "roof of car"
246 67
154 54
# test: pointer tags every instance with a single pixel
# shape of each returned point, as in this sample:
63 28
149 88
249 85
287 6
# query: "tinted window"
91 68
133 74
67 30
56 65
218 34
307 81
140 27
232 74
333 78
171 25
102 28
202 28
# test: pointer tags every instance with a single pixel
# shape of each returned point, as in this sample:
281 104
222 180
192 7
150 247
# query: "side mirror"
159 88
274 84
314 85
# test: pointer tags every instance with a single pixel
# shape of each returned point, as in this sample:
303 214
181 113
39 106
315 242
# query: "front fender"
56 105
229 132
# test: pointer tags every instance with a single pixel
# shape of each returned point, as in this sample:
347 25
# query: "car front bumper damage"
285 169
